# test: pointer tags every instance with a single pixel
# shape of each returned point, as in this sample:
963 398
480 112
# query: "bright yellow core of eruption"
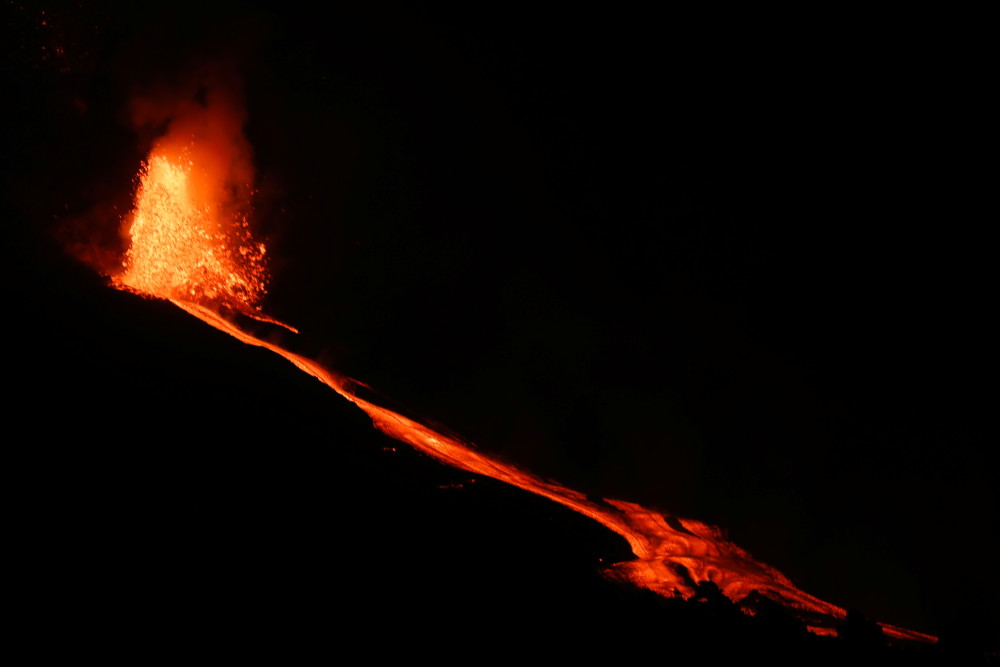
187 245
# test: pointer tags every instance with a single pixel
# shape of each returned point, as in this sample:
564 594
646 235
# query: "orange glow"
187 248
186 244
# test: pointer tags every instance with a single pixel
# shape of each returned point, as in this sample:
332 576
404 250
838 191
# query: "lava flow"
187 248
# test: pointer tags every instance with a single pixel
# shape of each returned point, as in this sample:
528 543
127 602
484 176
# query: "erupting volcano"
189 241
589 273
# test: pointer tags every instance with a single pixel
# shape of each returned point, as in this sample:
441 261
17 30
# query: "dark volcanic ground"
173 490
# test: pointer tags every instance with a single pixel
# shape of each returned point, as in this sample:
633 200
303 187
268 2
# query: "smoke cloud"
201 121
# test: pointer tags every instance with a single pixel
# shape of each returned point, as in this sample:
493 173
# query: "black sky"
731 266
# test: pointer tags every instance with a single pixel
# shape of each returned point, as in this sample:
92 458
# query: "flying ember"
188 245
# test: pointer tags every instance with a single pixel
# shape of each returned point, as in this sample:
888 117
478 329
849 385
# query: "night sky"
732 266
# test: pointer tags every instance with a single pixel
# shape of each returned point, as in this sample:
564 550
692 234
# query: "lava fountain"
188 242
180 249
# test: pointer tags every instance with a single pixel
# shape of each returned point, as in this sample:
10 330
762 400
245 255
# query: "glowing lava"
186 246
188 249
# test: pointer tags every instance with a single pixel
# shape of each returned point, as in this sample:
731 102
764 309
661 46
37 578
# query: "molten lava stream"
193 249
658 546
